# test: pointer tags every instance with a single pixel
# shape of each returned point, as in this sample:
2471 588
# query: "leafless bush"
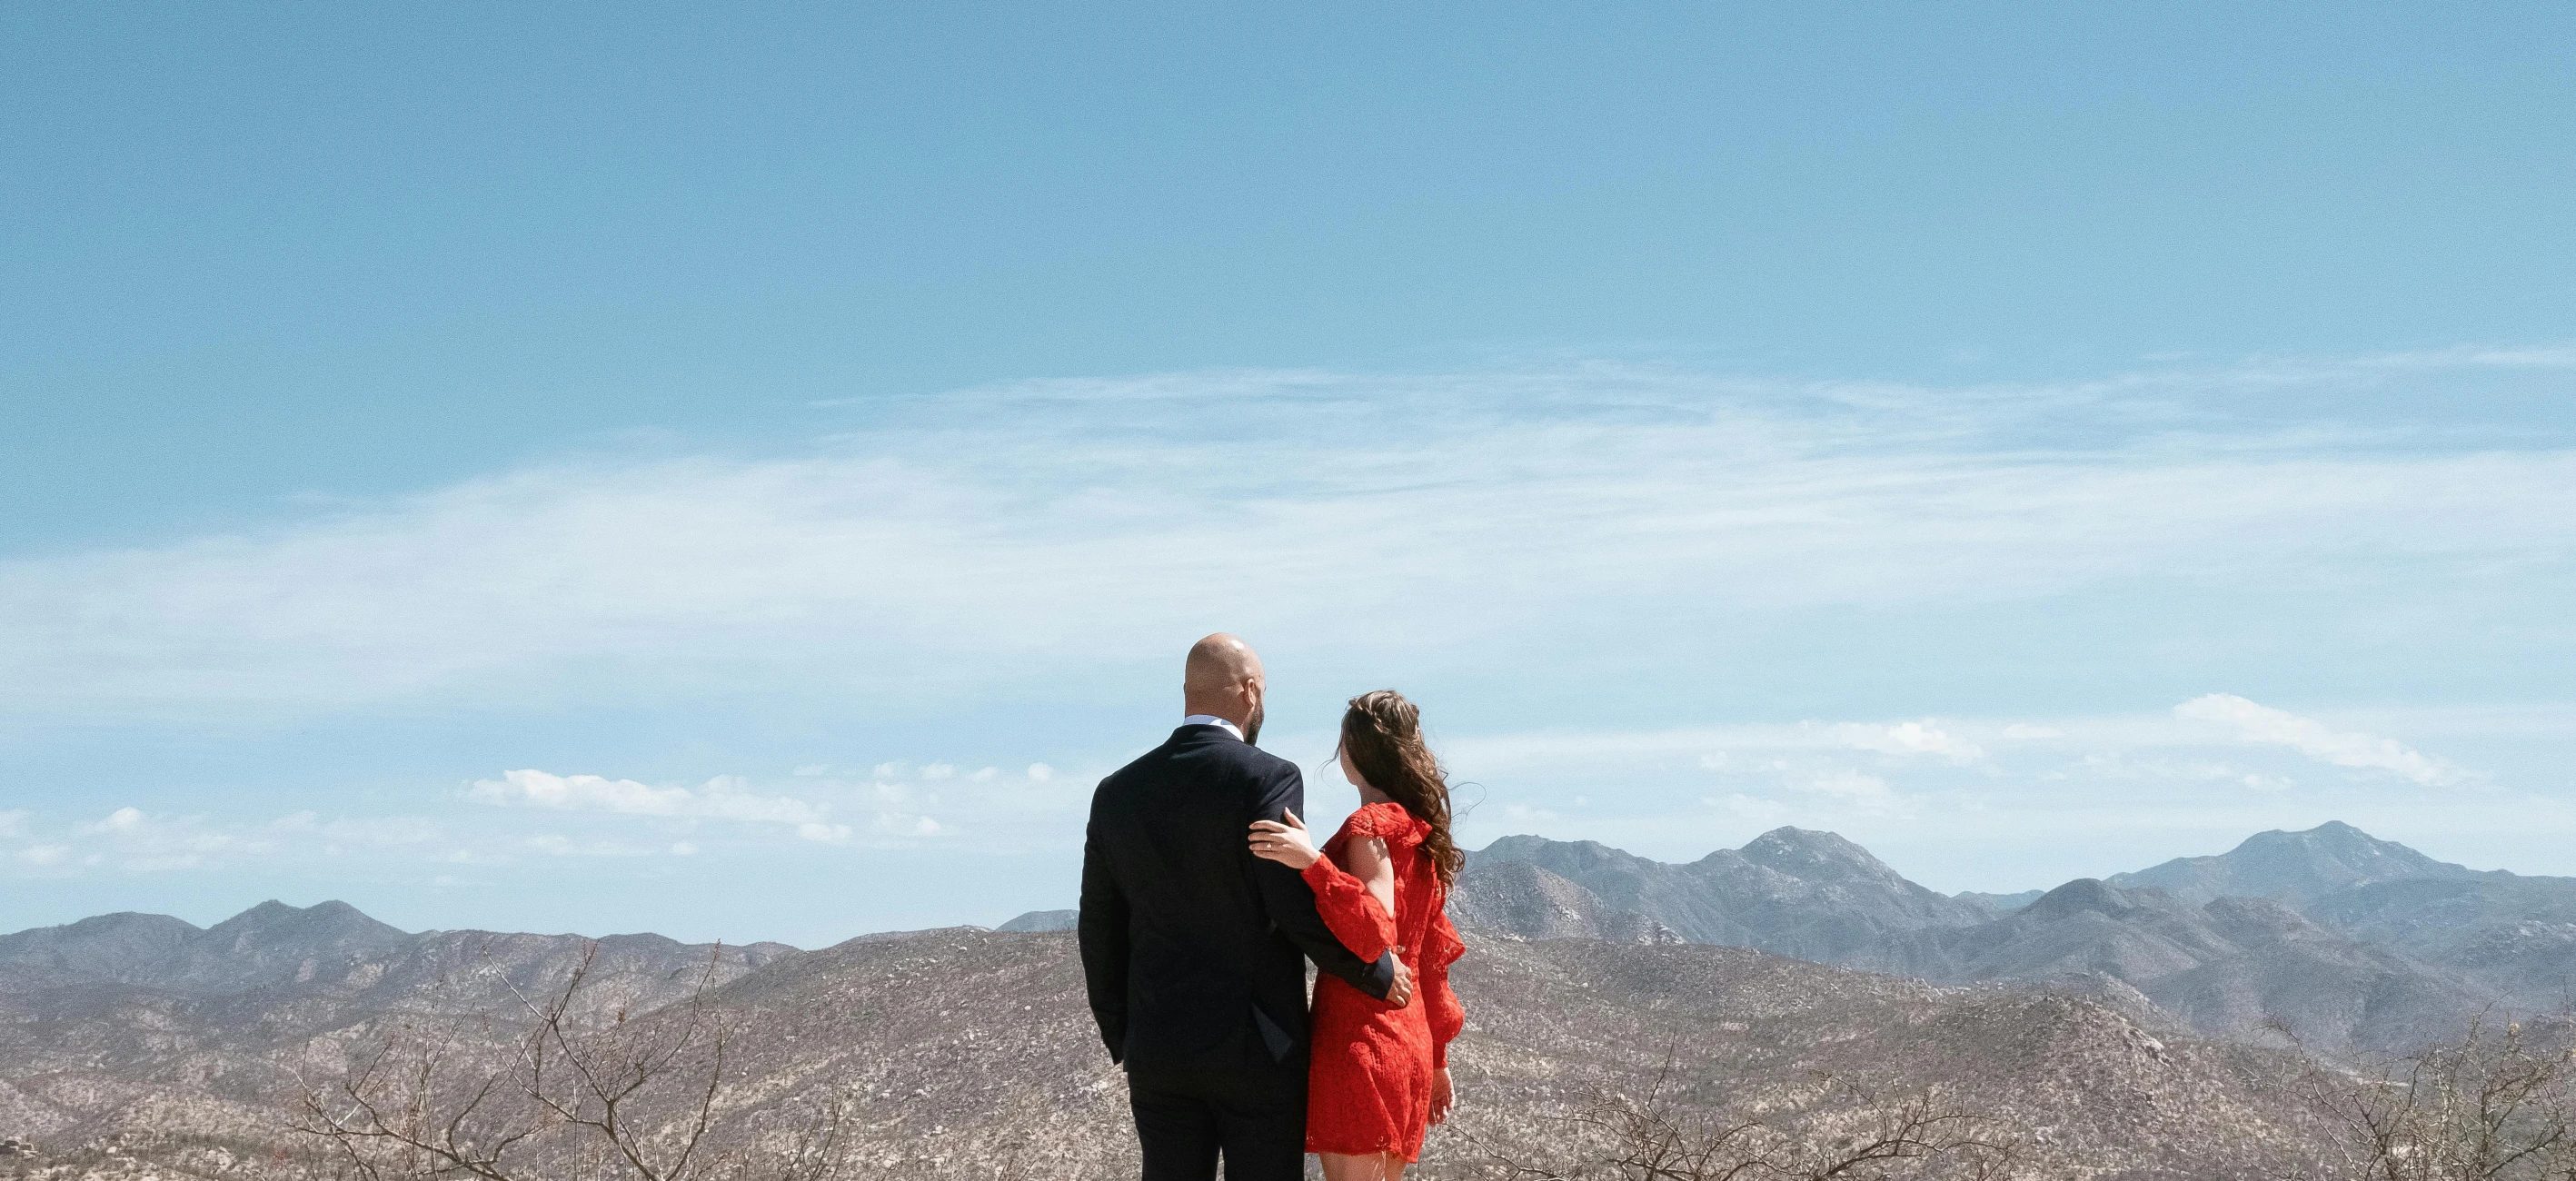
2497 1104
1842 1132
629 1100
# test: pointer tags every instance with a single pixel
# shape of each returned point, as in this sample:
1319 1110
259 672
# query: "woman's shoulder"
1387 821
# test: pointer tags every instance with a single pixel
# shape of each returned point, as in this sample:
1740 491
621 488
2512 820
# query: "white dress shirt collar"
1213 720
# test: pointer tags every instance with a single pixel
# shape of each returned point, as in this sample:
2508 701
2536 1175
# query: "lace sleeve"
1350 910
1446 1015
1378 820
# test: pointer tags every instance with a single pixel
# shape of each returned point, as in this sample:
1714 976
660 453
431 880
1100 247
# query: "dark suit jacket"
1189 942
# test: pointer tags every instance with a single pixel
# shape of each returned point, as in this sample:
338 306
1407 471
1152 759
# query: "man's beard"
1252 728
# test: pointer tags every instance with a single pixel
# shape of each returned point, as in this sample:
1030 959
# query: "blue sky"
746 475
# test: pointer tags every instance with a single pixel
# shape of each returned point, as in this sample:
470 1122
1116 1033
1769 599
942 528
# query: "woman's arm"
1290 902
1352 906
1357 915
1374 869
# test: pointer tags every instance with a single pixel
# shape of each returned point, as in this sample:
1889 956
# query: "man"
1190 944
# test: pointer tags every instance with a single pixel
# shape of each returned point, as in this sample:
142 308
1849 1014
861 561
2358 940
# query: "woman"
1379 1074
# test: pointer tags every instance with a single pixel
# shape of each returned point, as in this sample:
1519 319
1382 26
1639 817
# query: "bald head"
1223 677
1218 662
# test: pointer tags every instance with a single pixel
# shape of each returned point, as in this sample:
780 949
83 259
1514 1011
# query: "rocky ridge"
2131 1024
962 1051
2360 945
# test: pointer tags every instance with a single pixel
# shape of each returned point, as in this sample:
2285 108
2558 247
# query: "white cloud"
145 842
2251 722
1040 772
1910 738
132 839
899 825
725 797
1525 814
1858 789
556 844
1034 528
374 832
122 820
41 856
140 839
580 793
136 840
1752 808
2126 765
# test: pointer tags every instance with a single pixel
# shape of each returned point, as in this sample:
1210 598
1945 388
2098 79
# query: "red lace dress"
1369 1081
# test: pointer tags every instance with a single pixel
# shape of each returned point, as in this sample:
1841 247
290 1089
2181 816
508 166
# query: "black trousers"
1254 1117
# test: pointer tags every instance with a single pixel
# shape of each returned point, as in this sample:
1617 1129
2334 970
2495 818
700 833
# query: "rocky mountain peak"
1817 856
1559 855
2293 866
2338 843
1042 920
1522 901
2082 895
118 946
125 923
334 923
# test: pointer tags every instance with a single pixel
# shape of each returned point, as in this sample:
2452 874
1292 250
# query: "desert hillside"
958 1050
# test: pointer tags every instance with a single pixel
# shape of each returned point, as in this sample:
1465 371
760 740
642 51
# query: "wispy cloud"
1029 529
2250 722
1910 738
725 797
1858 789
130 839
1932 784
892 805
525 816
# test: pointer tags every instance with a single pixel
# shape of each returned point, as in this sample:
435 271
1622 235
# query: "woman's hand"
1286 844
1443 1095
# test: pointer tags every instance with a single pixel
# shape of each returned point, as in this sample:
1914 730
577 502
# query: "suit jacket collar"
1197 734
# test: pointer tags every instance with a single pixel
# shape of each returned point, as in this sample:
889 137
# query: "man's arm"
1102 929
1291 904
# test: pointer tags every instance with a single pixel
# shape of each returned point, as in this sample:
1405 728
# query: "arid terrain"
2128 1030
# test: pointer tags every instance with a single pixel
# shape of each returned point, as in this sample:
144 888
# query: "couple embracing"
1202 898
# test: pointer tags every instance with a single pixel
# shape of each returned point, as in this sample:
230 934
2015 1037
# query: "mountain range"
2353 943
143 1049
2348 943
2133 1023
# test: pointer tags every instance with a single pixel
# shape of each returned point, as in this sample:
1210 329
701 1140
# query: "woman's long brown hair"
1382 732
